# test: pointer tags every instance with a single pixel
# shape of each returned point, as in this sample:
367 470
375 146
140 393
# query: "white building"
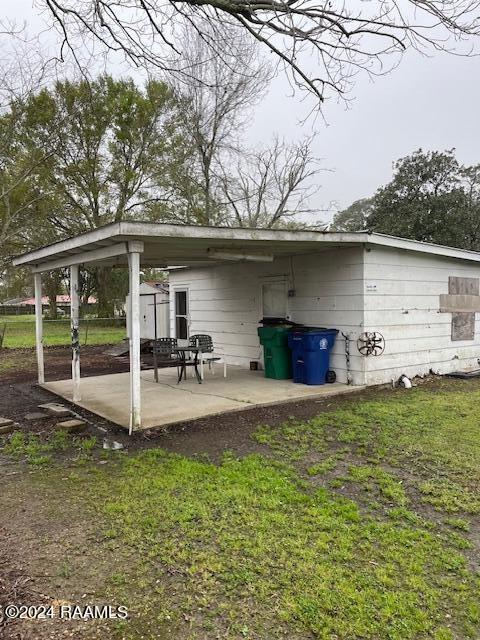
404 290
418 300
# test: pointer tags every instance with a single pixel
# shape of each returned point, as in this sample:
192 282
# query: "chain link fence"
17 333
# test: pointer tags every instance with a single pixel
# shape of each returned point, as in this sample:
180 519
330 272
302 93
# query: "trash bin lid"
269 322
317 330
273 330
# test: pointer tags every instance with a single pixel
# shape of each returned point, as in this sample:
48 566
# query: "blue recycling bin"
310 347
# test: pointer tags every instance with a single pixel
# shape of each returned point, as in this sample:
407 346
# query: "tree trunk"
105 302
52 284
87 286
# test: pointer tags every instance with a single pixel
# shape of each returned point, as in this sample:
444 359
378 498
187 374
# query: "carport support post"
74 324
37 278
134 250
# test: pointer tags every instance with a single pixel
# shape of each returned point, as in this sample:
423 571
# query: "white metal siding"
225 301
401 295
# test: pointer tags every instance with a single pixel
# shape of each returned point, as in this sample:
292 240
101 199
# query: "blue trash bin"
310 348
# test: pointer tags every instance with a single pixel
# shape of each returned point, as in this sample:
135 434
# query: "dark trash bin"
276 354
310 347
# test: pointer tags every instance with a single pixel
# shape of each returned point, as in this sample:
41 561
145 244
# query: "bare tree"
24 68
215 100
322 44
25 65
272 186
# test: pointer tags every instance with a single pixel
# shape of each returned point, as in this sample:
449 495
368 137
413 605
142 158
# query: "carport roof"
169 245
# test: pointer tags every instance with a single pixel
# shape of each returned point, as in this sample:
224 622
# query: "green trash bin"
276 352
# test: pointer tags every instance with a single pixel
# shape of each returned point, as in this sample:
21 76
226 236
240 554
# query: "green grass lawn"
362 523
20 331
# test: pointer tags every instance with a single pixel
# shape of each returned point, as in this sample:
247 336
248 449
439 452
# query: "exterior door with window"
181 314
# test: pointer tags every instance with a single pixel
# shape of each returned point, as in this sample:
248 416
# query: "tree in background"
426 200
271 187
431 198
470 179
20 190
354 217
220 181
215 97
108 152
15 283
24 68
112 145
53 285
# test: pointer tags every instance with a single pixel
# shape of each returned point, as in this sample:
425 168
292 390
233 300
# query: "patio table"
182 353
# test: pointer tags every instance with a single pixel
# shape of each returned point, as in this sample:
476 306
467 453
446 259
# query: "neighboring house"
154 311
27 305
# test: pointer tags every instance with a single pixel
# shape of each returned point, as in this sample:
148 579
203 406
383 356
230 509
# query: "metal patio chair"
165 349
208 354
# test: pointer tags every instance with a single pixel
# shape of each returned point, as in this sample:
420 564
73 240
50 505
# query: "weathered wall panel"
395 292
405 299
225 301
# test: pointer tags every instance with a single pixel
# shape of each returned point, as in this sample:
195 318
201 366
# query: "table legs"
183 368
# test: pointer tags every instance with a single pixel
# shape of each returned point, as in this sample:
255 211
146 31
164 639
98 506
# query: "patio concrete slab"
167 402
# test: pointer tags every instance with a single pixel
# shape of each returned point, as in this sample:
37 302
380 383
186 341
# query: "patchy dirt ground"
51 550
205 436
22 364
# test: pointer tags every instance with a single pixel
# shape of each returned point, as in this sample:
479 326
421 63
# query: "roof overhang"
168 245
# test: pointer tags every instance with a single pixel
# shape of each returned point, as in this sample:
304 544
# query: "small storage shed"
154 311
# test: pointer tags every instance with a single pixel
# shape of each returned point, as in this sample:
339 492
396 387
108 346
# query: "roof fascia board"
84 257
232 233
422 247
96 235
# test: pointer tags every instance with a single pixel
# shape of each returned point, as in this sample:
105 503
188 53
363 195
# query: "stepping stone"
56 409
36 415
7 428
4 422
71 425
112 444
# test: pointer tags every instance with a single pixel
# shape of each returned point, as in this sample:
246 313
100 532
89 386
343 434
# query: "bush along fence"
16 334
16 310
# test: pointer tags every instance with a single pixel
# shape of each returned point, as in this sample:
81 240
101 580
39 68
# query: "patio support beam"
134 251
94 255
39 327
74 325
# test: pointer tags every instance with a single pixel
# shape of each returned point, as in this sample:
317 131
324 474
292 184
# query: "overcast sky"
431 103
